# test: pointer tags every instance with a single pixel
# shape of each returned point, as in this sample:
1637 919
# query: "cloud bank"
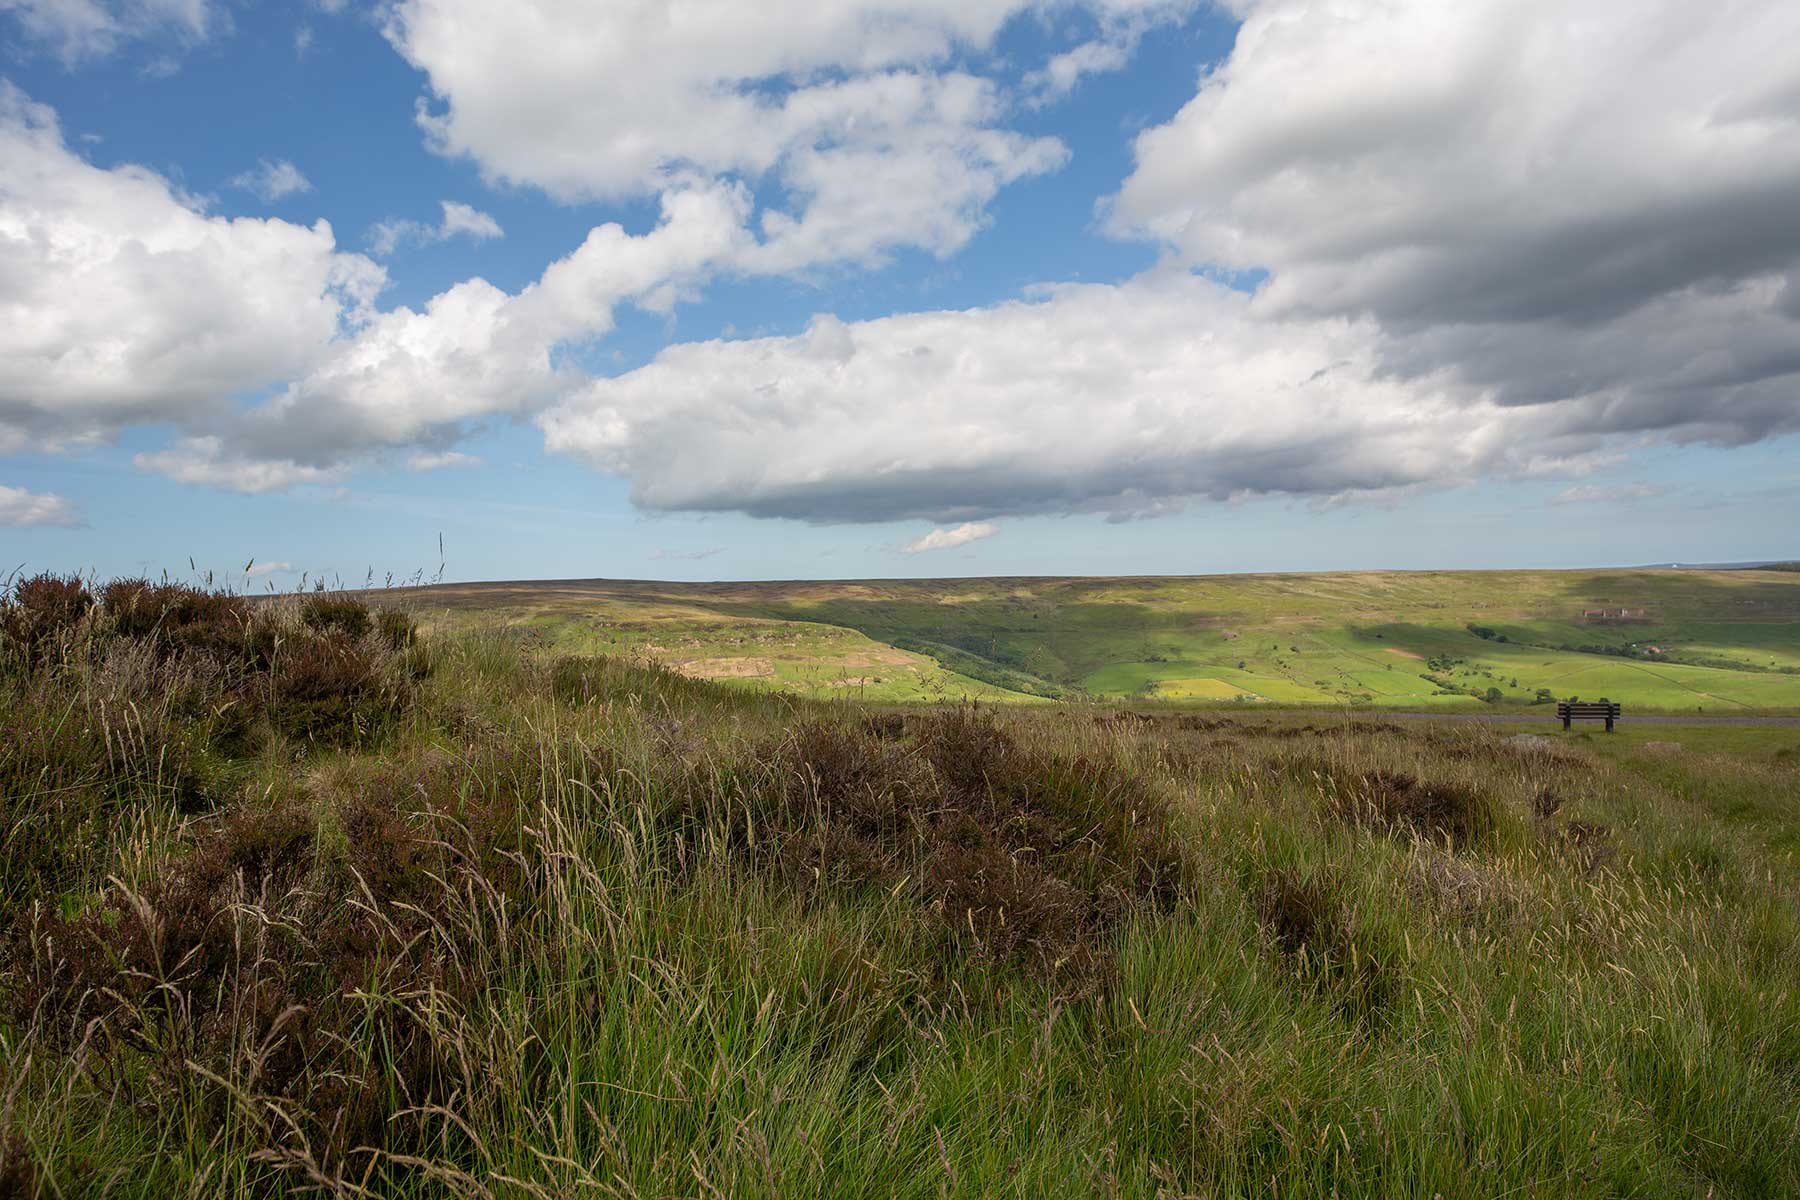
1094 398
1501 239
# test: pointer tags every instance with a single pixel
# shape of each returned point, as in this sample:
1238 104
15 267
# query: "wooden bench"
1588 710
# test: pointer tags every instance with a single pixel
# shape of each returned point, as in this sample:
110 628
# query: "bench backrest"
1586 708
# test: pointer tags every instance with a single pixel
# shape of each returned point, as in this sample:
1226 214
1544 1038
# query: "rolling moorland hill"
1725 641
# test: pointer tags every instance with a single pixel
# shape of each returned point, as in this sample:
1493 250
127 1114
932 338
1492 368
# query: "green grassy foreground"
296 901
1717 642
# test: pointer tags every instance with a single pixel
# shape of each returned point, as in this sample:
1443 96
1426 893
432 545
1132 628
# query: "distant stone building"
1615 614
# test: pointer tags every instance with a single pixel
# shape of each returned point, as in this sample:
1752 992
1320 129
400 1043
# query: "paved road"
1367 714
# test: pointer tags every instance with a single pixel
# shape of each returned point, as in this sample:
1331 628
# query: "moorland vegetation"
298 899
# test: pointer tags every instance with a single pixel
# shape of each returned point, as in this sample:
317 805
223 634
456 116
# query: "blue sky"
894 287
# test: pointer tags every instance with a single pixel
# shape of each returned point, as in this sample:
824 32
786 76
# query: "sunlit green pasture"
1674 641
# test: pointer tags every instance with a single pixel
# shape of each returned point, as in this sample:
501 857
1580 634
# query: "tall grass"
553 928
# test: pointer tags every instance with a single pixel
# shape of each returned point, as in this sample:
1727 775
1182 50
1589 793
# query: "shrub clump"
1025 855
398 629
158 694
39 612
328 612
274 962
331 675
330 688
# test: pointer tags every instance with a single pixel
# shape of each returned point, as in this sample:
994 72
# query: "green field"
1691 641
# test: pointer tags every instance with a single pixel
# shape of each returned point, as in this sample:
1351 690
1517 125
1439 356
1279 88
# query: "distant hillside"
1757 565
1666 639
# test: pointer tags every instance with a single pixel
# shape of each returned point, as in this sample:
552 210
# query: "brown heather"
1023 855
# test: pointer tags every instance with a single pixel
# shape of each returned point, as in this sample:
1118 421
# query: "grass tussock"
1316 931
1455 813
301 901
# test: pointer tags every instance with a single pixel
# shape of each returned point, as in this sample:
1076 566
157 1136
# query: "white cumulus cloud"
20 508
207 460
949 539
1534 195
411 376
459 220
122 304
272 179
849 110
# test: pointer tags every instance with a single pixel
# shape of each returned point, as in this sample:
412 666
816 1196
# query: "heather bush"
325 687
172 618
399 629
247 964
329 611
1023 855
38 614
160 697
1395 800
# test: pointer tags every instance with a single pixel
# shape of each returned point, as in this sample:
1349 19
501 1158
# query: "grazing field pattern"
298 899
1673 641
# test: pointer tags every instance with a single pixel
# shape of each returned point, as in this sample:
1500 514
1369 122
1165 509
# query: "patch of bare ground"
876 657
